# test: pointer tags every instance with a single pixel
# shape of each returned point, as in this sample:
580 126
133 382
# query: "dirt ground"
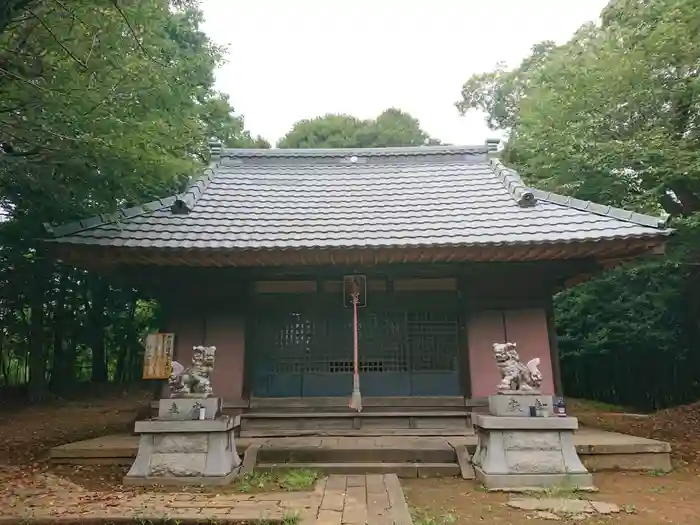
26 435
644 498
680 426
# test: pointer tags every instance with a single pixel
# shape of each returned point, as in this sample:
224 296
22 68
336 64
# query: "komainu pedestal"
190 442
185 451
519 452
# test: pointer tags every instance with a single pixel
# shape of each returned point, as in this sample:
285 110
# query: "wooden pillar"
463 339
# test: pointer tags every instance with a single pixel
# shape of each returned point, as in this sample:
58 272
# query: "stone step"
402 470
356 455
352 414
456 421
366 432
369 404
349 411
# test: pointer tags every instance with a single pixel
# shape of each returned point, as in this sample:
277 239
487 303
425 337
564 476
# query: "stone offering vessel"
516 376
194 381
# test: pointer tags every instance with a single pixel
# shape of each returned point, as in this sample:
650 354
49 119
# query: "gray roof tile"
295 199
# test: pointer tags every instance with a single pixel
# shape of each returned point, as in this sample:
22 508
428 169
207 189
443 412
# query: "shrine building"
455 252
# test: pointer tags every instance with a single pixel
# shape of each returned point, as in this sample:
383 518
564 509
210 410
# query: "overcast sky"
294 59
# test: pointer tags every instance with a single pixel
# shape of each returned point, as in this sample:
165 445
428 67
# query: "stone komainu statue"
194 380
514 374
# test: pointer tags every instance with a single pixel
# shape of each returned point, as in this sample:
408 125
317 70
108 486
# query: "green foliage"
633 326
102 104
100 101
500 91
392 128
298 479
422 517
613 116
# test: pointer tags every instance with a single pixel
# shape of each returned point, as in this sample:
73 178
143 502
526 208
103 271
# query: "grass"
421 517
563 491
289 480
656 473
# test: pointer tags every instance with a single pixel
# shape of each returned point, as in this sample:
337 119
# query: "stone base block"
522 423
515 453
206 481
534 482
186 456
187 408
517 404
157 426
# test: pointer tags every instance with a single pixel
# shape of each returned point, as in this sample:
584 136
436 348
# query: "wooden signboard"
158 358
355 284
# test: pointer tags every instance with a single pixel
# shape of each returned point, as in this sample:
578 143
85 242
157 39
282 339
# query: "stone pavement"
375 499
558 508
337 500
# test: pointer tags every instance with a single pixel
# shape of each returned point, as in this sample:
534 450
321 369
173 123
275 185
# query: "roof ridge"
393 151
187 200
180 203
512 181
642 219
516 186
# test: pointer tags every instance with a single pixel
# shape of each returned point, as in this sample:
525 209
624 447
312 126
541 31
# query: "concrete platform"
599 450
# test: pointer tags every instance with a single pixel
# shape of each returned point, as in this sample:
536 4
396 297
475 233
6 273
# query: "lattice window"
382 342
433 338
317 340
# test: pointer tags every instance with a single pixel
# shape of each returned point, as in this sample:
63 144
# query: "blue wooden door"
307 351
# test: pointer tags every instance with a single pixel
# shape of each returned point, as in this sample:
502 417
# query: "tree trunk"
122 373
37 359
97 334
61 376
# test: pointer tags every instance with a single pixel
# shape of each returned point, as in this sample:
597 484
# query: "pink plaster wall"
526 327
227 333
483 329
189 332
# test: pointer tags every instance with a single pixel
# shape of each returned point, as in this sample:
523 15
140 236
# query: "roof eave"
178 204
616 248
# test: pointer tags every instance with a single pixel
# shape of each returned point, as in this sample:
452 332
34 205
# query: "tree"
613 116
499 92
125 111
102 104
392 128
612 113
11 10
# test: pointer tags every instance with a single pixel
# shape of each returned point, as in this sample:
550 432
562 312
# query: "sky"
288 60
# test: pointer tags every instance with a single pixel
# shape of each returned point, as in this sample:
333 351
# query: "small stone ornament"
198 411
194 381
516 376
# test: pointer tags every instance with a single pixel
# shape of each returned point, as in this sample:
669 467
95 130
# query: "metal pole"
356 400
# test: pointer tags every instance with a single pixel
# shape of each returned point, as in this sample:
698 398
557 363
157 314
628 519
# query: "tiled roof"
367 198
